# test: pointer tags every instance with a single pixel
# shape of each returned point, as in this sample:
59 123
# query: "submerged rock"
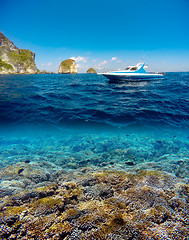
14 60
129 163
20 170
67 66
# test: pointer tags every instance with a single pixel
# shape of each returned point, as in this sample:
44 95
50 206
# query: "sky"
103 34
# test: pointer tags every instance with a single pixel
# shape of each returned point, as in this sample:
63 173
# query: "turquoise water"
80 121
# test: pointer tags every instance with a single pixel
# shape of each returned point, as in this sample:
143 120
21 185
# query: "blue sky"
102 34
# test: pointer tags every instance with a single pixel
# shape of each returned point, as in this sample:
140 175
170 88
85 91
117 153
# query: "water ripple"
84 97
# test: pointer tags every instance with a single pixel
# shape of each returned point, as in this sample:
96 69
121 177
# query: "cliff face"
15 60
67 66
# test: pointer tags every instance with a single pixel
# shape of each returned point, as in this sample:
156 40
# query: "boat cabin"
132 68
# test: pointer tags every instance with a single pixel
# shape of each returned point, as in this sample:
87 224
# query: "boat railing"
103 70
162 73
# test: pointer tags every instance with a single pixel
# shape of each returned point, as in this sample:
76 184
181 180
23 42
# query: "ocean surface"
83 120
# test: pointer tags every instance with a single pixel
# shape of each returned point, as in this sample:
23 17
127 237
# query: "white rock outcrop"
67 66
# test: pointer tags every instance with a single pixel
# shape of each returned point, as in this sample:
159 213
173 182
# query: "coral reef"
92 186
99 205
98 152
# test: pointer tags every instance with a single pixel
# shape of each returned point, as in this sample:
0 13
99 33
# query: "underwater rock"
20 170
89 182
106 193
130 163
4 231
27 161
6 191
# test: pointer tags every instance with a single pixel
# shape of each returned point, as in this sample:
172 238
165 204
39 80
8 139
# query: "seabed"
94 186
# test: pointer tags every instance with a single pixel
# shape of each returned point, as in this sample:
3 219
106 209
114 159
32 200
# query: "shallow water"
77 121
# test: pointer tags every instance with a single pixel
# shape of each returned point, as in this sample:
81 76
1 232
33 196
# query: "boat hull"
130 77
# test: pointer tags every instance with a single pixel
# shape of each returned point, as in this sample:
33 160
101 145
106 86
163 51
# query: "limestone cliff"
15 60
67 66
91 70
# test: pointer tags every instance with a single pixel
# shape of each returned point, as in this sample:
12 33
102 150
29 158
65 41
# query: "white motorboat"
132 73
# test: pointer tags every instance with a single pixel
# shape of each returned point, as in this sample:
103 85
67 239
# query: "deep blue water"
87 113
58 99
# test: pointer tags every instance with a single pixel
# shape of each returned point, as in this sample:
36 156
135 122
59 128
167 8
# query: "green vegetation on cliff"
21 57
15 60
5 65
24 57
91 70
67 66
67 63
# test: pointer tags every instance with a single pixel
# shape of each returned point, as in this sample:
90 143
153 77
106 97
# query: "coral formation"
94 187
100 205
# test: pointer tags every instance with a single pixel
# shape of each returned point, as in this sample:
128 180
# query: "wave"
78 98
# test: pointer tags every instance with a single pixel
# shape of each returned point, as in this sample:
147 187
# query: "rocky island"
14 60
67 66
91 70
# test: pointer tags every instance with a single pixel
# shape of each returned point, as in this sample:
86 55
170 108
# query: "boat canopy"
139 68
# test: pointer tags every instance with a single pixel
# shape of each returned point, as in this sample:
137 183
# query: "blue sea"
84 121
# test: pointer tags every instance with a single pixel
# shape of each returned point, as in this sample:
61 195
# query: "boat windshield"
133 68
